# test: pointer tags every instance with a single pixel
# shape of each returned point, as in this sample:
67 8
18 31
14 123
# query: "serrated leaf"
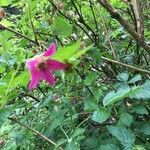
122 92
125 136
125 119
101 115
113 96
143 92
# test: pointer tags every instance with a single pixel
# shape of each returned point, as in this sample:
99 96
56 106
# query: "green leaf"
91 105
72 146
143 92
78 132
74 59
101 115
4 114
140 109
125 136
46 101
143 127
123 77
6 23
135 79
4 2
109 147
139 147
65 53
125 119
122 92
90 78
62 27
113 97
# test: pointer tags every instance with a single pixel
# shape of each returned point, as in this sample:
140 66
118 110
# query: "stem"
126 65
19 34
82 20
83 121
114 13
72 21
64 132
96 24
32 26
85 85
35 131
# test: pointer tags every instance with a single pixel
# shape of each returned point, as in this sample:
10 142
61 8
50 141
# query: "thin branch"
95 20
32 26
19 34
72 21
126 65
138 17
36 132
109 40
82 19
82 77
114 13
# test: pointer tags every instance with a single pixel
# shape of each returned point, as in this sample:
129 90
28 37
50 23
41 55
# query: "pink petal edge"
51 50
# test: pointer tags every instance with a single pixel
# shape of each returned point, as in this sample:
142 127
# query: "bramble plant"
74 75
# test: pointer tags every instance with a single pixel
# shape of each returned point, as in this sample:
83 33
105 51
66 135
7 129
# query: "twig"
96 24
72 21
109 40
114 13
32 26
86 85
126 65
36 132
82 19
19 34
86 119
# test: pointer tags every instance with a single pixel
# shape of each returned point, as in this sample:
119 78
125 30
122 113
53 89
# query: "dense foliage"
101 101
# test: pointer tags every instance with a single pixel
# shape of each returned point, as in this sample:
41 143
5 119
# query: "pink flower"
41 67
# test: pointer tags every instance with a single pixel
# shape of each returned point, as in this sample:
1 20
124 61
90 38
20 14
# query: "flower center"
42 65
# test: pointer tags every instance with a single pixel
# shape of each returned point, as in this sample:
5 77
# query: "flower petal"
51 50
35 79
48 77
55 65
34 73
